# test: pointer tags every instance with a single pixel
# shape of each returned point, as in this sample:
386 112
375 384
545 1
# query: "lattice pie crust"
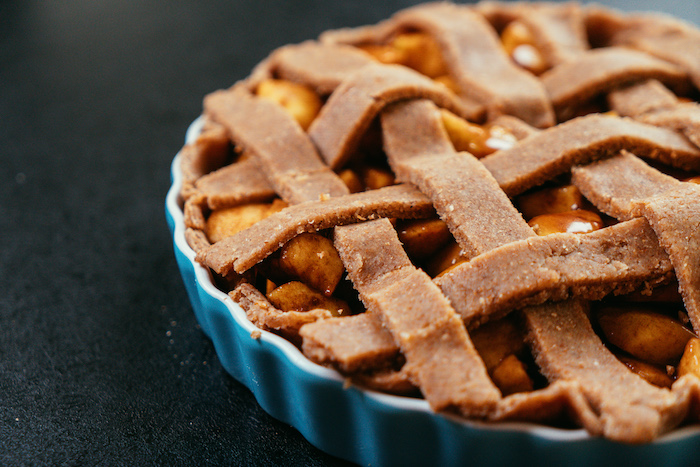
376 195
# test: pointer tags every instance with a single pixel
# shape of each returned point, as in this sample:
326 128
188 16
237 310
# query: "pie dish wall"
368 427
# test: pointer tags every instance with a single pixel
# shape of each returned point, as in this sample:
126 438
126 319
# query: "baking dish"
368 427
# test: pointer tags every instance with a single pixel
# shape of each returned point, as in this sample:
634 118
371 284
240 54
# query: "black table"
101 359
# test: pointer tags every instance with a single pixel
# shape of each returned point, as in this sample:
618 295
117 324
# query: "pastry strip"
652 103
555 267
321 66
683 117
663 37
566 348
558 30
675 217
637 99
351 343
238 183
562 396
552 152
245 249
474 57
464 193
671 207
386 380
571 84
515 126
249 121
413 128
347 114
616 185
196 239
265 316
440 358
209 152
194 211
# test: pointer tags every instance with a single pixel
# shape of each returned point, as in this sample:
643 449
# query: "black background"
101 359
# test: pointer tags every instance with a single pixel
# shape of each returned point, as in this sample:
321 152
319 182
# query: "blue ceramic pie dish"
371 428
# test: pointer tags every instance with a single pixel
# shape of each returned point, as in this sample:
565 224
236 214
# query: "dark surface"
101 359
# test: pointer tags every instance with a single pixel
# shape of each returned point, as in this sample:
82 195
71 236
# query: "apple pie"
493 207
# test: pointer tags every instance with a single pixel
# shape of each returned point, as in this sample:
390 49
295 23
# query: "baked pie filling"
493 207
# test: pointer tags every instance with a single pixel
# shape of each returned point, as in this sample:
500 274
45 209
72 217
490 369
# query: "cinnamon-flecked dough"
566 348
554 151
558 29
245 249
440 357
337 130
249 120
617 259
573 83
414 334
650 102
464 193
474 57
627 187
